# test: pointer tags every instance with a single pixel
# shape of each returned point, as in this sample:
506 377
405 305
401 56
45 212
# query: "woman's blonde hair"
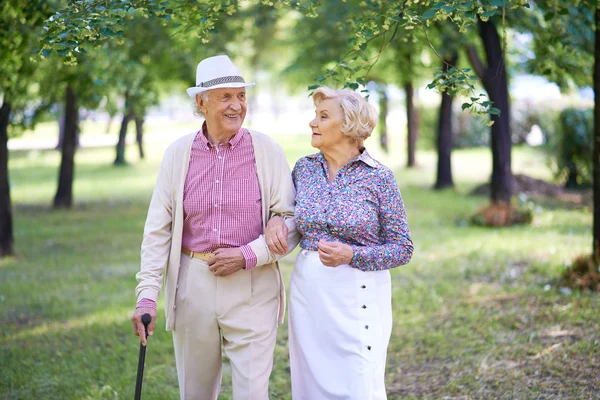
360 117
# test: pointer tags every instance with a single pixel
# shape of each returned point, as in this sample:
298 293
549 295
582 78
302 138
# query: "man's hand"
276 235
333 254
138 326
226 261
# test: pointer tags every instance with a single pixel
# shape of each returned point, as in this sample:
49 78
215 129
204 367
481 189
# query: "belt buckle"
191 254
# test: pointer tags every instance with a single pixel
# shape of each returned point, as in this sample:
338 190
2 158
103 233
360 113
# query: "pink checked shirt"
221 198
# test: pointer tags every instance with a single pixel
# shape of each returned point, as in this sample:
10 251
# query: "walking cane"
146 318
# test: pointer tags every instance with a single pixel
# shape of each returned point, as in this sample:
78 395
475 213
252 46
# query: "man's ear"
201 103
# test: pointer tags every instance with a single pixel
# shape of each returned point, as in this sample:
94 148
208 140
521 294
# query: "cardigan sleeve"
156 242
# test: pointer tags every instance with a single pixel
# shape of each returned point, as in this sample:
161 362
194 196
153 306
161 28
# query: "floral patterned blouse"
362 207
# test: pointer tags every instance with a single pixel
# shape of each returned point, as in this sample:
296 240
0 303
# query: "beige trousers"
241 309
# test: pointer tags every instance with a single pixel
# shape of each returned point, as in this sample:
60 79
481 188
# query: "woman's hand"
333 254
276 235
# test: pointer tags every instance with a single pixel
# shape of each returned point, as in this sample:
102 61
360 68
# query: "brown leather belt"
200 256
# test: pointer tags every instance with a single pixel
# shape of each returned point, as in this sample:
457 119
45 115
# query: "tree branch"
478 66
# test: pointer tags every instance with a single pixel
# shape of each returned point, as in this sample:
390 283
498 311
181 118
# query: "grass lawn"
477 313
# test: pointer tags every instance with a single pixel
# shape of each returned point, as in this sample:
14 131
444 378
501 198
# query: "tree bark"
412 124
61 129
493 78
6 229
64 193
444 135
383 113
596 228
127 116
139 134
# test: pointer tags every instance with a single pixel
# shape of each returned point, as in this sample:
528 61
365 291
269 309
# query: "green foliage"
572 145
20 26
372 24
563 41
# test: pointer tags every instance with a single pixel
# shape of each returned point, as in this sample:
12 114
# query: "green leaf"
498 3
465 105
429 14
494 111
47 52
437 5
313 87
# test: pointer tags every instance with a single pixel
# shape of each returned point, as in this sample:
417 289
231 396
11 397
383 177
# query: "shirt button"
214 229
217 181
216 205
368 347
363 287
364 306
366 326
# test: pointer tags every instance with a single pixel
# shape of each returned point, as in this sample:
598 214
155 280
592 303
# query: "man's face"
225 109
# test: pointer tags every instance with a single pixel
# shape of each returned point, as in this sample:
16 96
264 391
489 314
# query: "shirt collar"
364 157
233 142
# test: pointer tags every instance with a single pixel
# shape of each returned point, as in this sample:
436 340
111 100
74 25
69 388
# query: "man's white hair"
195 108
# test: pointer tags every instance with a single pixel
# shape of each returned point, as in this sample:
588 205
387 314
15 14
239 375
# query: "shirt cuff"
146 303
249 256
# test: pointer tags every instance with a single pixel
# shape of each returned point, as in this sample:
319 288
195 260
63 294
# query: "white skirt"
340 322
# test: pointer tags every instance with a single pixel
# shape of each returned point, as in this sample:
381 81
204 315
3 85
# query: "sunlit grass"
476 313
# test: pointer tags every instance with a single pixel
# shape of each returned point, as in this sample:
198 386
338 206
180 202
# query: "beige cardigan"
161 245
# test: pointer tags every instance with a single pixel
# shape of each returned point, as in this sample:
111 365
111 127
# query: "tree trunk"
383 113
6 230
444 135
412 124
61 129
496 85
127 116
596 228
64 193
139 134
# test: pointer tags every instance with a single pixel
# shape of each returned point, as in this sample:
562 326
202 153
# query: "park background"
499 299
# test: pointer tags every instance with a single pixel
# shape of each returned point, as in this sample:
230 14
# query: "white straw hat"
217 72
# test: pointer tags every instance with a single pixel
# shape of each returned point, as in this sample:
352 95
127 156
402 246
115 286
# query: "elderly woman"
354 230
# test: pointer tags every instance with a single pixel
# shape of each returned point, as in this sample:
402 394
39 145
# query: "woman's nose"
312 123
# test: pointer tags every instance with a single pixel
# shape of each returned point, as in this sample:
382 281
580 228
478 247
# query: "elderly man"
215 191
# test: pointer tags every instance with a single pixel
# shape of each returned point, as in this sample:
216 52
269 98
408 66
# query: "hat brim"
193 91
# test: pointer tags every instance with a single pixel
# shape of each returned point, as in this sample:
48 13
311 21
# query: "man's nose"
236 105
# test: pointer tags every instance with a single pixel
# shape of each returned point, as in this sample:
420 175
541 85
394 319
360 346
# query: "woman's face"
326 126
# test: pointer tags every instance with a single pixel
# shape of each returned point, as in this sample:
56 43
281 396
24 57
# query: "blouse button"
368 347
366 326
364 306
363 287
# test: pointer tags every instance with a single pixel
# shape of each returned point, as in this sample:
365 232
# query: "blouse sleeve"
397 247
